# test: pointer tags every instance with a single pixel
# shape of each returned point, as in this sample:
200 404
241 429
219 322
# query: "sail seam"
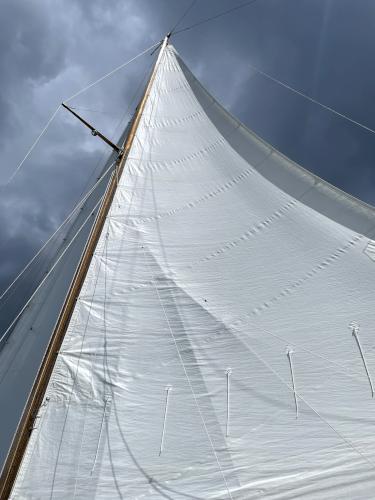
156 166
332 258
254 230
192 204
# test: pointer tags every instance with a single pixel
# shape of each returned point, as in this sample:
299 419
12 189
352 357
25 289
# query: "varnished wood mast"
37 393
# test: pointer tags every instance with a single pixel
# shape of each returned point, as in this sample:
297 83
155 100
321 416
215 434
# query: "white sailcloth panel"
210 354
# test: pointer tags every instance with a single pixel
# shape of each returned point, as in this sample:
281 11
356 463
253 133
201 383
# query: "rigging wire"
311 99
272 78
32 147
112 72
216 16
111 113
182 17
114 132
30 150
5 334
82 200
67 219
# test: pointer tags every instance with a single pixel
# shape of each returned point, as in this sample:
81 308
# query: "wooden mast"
37 393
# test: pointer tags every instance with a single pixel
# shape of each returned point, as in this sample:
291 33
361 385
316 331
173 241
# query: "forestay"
222 343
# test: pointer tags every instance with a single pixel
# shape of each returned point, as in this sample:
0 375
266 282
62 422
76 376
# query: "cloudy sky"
49 49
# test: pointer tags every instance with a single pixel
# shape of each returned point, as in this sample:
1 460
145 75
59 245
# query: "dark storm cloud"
49 50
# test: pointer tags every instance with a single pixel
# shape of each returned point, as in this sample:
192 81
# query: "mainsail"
221 345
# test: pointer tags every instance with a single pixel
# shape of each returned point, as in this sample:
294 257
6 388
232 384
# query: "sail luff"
35 399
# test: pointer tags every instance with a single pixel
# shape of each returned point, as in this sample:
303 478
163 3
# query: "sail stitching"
332 258
192 204
173 122
252 231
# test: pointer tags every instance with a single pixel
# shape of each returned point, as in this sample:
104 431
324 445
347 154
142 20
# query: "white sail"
222 343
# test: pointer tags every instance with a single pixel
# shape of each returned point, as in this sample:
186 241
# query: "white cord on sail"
289 354
187 375
4 336
100 435
311 99
228 373
19 166
347 441
355 330
79 204
337 367
111 72
167 390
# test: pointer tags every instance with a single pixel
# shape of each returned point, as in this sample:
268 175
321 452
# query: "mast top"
165 41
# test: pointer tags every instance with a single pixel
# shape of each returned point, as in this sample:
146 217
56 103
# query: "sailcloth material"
222 345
